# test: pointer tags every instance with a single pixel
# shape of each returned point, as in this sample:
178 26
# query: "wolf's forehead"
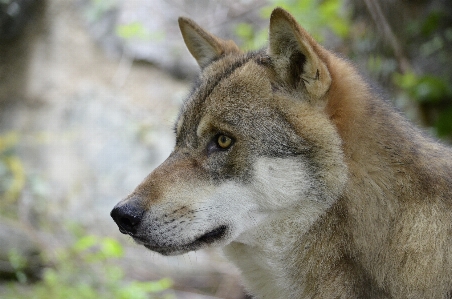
209 90
221 71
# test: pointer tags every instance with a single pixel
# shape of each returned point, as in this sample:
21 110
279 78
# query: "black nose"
127 217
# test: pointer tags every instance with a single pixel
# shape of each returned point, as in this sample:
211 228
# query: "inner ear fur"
204 46
296 55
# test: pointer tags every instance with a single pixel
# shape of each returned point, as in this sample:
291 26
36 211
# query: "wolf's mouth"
208 238
212 236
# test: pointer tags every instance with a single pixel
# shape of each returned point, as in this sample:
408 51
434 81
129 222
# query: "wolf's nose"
127 217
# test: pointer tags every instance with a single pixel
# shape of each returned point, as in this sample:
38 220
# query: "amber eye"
224 141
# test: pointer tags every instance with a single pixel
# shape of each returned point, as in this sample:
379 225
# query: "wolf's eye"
219 143
224 141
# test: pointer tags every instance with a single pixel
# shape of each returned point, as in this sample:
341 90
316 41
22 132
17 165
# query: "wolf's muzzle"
127 217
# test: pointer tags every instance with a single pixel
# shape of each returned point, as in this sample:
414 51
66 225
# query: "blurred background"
89 91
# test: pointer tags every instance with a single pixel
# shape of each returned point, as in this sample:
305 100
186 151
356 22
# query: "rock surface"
150 30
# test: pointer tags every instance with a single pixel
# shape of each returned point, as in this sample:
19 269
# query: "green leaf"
111 248
244 31
134 29
16 259
85 243
405 81
431 23
432 89
443 124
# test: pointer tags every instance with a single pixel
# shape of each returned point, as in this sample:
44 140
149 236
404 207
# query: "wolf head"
253 138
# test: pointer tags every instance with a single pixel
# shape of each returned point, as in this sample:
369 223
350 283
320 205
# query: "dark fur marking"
274 87
212 83
296 67
264 60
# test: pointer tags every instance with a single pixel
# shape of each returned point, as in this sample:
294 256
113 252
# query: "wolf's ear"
204 46
296 56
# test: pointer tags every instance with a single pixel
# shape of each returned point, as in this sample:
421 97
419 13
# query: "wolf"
314 185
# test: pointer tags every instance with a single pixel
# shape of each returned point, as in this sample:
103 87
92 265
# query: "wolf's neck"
263 271
391 165
262 254
375 137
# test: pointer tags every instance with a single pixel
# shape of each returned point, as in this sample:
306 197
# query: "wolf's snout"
127 217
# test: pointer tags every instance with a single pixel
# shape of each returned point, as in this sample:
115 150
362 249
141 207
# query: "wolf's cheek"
280 183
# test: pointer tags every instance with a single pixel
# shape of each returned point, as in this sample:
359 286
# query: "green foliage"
12 173
134 29
315 15
430 37
18 262
431 23
87 270
425 88
425 26
137 30
250 38
430 90
443 124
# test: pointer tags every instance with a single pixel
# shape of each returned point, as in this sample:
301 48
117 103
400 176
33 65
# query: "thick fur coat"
314 186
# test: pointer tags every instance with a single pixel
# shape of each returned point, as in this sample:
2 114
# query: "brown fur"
327 192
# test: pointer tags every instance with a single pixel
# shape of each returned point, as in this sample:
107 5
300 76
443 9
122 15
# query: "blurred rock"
148 30
21 24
